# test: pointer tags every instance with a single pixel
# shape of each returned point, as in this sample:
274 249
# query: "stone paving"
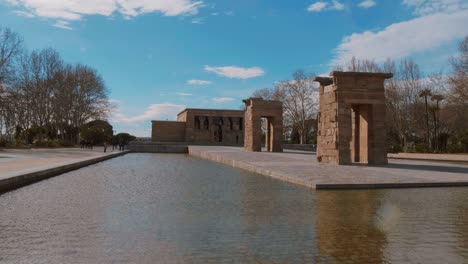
25 164
302 168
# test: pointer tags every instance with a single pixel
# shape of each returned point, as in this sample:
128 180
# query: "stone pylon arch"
351 121
272 111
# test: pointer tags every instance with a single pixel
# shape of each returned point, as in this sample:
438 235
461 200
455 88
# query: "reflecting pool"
169 208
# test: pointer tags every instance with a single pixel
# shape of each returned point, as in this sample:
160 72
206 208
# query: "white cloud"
184 94
72 10
197 20
136 132
404 38
153 112
337 5
23 13
323 6
367 4
223 99
114 101
425 7
63 24
236 72
198 82
317 7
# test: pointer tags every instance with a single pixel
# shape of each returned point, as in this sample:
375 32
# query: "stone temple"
351 122
202 126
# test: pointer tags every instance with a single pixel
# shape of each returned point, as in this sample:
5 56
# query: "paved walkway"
19 167
302 168
18 161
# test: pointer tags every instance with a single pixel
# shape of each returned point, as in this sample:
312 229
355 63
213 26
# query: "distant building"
202 126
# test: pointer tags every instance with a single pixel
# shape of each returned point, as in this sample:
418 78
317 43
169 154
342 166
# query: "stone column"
268 133
356 136
378 144
276 136
253 132
364 138
344 134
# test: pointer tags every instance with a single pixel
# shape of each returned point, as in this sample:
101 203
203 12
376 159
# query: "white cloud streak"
184 94
23 14
425 7
72 10
153 112
317 7
236 72
223 99
63 25
198 82
367 4
198 20
325 6
337 5
402 39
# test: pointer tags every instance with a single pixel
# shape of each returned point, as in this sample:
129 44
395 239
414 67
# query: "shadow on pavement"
430 167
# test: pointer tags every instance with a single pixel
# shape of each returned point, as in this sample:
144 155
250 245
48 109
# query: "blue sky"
160 56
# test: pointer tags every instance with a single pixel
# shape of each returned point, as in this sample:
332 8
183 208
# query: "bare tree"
359 65
436 112
456 105
11 44
42 98
426 93
403 94
264 93
458 81
300 102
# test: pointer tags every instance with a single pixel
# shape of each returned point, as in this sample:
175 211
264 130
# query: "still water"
156 208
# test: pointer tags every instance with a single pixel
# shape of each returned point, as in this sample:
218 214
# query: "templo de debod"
351 122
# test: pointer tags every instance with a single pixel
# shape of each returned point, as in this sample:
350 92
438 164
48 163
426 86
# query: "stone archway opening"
272 114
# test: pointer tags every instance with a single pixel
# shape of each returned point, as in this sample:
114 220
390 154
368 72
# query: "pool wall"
14 182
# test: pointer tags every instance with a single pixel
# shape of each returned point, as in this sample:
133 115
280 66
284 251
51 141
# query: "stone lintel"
324 81
240 112
361 74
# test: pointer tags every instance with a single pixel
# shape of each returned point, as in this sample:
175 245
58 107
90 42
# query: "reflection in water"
348 227
277 220
150 208
461 222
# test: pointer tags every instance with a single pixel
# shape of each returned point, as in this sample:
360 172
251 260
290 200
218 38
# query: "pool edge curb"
220 158
18 181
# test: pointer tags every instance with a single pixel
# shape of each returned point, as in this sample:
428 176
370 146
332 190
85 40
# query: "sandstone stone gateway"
272 111
351 122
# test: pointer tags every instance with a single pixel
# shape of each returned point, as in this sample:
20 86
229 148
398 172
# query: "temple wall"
168 131
202 126
224 127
